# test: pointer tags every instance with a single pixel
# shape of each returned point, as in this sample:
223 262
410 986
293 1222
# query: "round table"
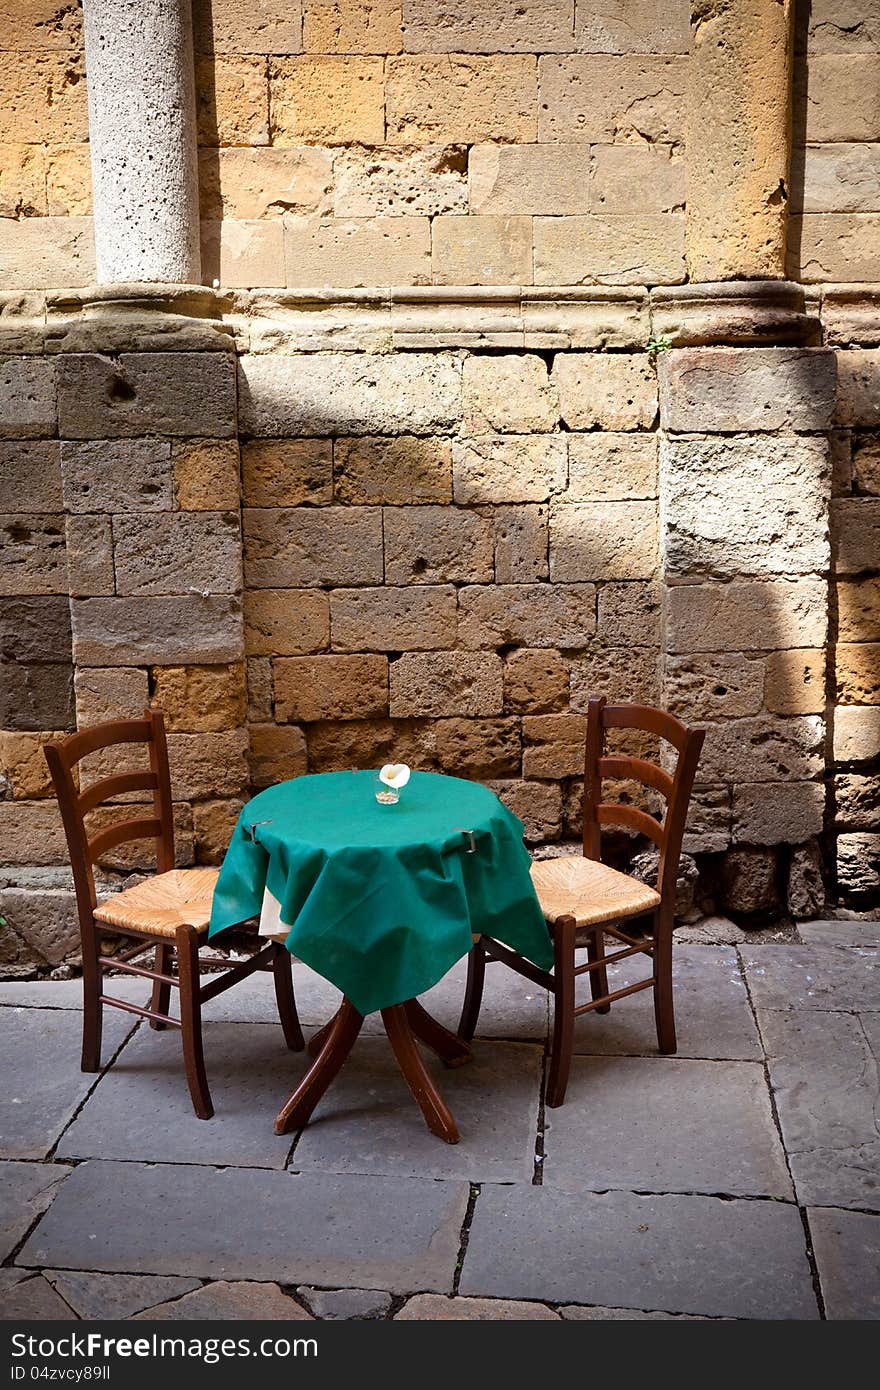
381 900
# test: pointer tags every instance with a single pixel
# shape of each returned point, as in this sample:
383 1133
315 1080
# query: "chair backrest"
675 787
75 805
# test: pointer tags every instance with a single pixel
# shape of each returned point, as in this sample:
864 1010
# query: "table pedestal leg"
317 1041
341 1034
447 1046
438 1116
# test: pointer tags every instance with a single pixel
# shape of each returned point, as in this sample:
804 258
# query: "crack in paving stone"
476 1188
91 1091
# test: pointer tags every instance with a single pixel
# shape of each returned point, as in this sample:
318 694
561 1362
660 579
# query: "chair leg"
187 942
282 973
563 1009
598 978
473 995
93 1009
664 1009
161 1000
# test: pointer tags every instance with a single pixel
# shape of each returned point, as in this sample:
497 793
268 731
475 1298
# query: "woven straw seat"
180 897
588 891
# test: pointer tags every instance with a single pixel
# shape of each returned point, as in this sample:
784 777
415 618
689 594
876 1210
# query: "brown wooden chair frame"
183 949
675 788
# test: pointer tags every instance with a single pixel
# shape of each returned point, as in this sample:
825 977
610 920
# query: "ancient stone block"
539 807
730 389
795 682
357 251
858 387
856 801
613 392
226 26
857 673
622 674
837 93
858 610
436 545
286 472
32 554
835 246
27 398
393 471
708 823
340 26
598 98
526 179
611 467
603 540
842 178
858 864
369 743
426 180
529 615
200 699
840 26
259 690
34 696
300 548
30 471
241 254
487 26
22 181
162 631
177 393
521 544
232 103
510 394
31 833
89 551
446 97
178 552
629 613
24 772
481 250
742 617
750 882
479 748
644 249
746 505
806 886
285 622
43 99
553 745
856 733
331 101
68 181
207 765
716 686
264 182
866 463
206 474
855 524
345 393
276 753
535 682
634 179
517 468
633 26
772 813
111 692
445 683
213 825
117 475
39 24
310 688
764 749
419 618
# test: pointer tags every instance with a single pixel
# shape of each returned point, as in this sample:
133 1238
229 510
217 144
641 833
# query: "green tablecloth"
381 900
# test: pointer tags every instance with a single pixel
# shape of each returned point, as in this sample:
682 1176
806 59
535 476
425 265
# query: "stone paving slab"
342 1304
660 1124
823 1069
230 1302
843 933
66 994
30 1298
26 1189
686 1254
142 1108
368 1122
846 1245
396 1234
713 1015
41 1051
813 977
432 1307
574 1313
115 1296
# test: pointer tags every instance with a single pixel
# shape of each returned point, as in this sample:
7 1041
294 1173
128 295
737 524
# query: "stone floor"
739 1179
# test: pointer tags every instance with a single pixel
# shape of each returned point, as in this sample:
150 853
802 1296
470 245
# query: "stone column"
142 127
738 138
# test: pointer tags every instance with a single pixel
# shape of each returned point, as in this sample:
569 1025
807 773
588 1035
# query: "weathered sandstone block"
34 630
746 505
30 472
805 893
629 614
599 98
346 393
620 673
177 552
603 540
117 475
763 749
456 97
858 610
436 545
521 544
36 696
611 467
285 622
635 179
178 393
301 548
445 683
424 179
201 699
39 24
368 743
89 553
43 98
856 534
352 26
226 26
857 673
742 616
858 864
213 826
392 471
856 801
539 807
276 753
110 692
708 828
858 387
260 691
866 463
239 254
232 100
479 748
163 631
481 250
772 813
204 766
750 882
526 179
633 26
24 772
22 181
487 26
838 93
516 468
835 246
263 182
31 833
357 251
795 682
27 398
310 688
206 474
286 472
327 100
32 554
644 249
44 920
615 392
842 178
68 181
418 618
856 733
529 615
510 394
729 389
553 745
719 685
535 682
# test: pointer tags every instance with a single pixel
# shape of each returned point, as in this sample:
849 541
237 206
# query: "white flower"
394 775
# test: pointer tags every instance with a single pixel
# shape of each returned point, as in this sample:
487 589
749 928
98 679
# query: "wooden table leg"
315 1043
438 1116
343 1031
449 1048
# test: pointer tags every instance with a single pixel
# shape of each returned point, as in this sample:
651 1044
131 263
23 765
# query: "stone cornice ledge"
730 312
851 315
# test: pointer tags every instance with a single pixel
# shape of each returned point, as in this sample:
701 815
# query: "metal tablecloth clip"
250 829
462 831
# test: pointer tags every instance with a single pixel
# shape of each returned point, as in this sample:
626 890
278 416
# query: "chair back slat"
615 813
77 746
118 785
143 829
639 770
649 719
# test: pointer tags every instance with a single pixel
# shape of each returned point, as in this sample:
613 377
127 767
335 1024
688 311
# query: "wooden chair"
168 913
582 899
